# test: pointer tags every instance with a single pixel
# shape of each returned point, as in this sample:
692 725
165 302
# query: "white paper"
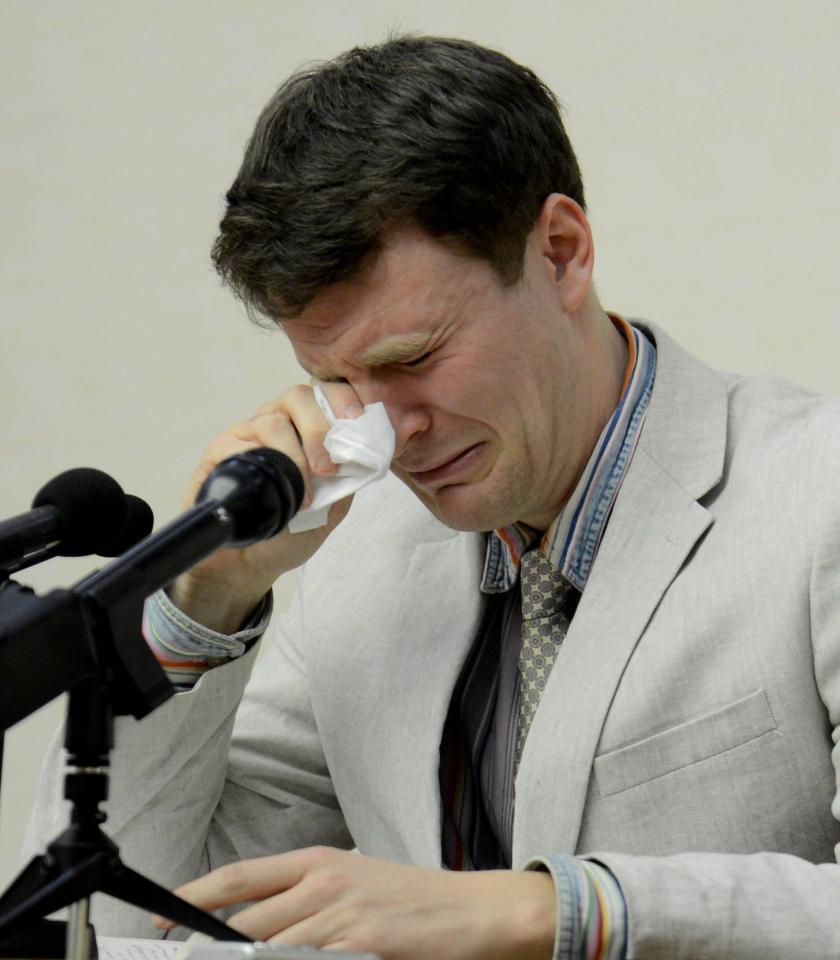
362 448
130 948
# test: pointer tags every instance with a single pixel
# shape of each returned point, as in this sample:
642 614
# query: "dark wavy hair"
438 133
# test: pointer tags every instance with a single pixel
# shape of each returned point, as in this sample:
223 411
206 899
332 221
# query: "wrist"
539 918
213 605
519 913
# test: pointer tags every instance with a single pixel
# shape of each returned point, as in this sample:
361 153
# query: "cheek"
463 389
463 399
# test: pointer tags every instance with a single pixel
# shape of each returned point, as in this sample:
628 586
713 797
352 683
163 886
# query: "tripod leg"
104 872
26 882
131 887
70 885
38 938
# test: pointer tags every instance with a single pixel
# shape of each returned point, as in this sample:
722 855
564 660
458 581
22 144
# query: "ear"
564 240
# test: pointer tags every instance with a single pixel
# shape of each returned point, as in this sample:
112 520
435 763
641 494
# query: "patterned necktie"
547 605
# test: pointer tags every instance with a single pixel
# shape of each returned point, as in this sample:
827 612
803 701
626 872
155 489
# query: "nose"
408 415
407 424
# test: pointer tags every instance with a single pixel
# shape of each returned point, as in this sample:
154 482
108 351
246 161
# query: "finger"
312 427
310 421
273 430
273 881
343 399
281 913
278 431
247 880
221 448
318 930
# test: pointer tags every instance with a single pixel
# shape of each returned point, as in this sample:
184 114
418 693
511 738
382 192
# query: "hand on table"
338 900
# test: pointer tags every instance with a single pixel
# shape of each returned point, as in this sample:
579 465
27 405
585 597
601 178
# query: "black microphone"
78 512
248 497
138 525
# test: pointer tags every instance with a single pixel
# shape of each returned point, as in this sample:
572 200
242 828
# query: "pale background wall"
707 129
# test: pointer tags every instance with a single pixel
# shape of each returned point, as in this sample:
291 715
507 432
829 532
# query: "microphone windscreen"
138 525
91 507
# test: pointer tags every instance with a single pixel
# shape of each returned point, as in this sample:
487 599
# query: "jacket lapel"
655 523
434 639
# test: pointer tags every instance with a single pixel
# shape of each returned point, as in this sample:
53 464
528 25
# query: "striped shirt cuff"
186 649
591 909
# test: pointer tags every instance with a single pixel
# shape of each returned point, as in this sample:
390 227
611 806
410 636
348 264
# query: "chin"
468 512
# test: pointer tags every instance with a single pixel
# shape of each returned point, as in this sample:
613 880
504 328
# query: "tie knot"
544 588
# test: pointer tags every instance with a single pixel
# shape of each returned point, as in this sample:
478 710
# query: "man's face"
484 385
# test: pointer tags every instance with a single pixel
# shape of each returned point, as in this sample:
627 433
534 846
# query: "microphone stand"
90 637
83 860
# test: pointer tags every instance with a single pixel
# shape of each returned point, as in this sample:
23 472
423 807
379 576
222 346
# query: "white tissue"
362 448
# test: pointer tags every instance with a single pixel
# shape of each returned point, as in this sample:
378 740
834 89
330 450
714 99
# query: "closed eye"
417 361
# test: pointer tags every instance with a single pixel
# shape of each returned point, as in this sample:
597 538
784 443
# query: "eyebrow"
396 348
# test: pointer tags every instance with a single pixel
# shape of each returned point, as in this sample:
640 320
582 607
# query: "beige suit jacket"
685 735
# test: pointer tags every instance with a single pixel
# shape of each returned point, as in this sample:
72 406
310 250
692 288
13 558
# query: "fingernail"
353 410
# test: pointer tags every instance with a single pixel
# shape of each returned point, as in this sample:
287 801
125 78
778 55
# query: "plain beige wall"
707 130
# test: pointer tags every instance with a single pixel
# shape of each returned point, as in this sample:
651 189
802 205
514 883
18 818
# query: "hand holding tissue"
362 448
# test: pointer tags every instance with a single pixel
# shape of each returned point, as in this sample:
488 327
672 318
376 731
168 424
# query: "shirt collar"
572 540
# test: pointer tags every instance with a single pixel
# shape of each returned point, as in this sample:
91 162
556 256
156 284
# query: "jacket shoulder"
788 427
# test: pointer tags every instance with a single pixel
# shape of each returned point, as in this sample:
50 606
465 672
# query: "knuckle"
231 878
299 393
234 438
216 449
237 430
321 854
225 446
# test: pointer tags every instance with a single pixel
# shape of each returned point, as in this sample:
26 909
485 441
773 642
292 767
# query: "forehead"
415 285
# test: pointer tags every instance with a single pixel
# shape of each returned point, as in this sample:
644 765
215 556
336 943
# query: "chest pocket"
687 743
